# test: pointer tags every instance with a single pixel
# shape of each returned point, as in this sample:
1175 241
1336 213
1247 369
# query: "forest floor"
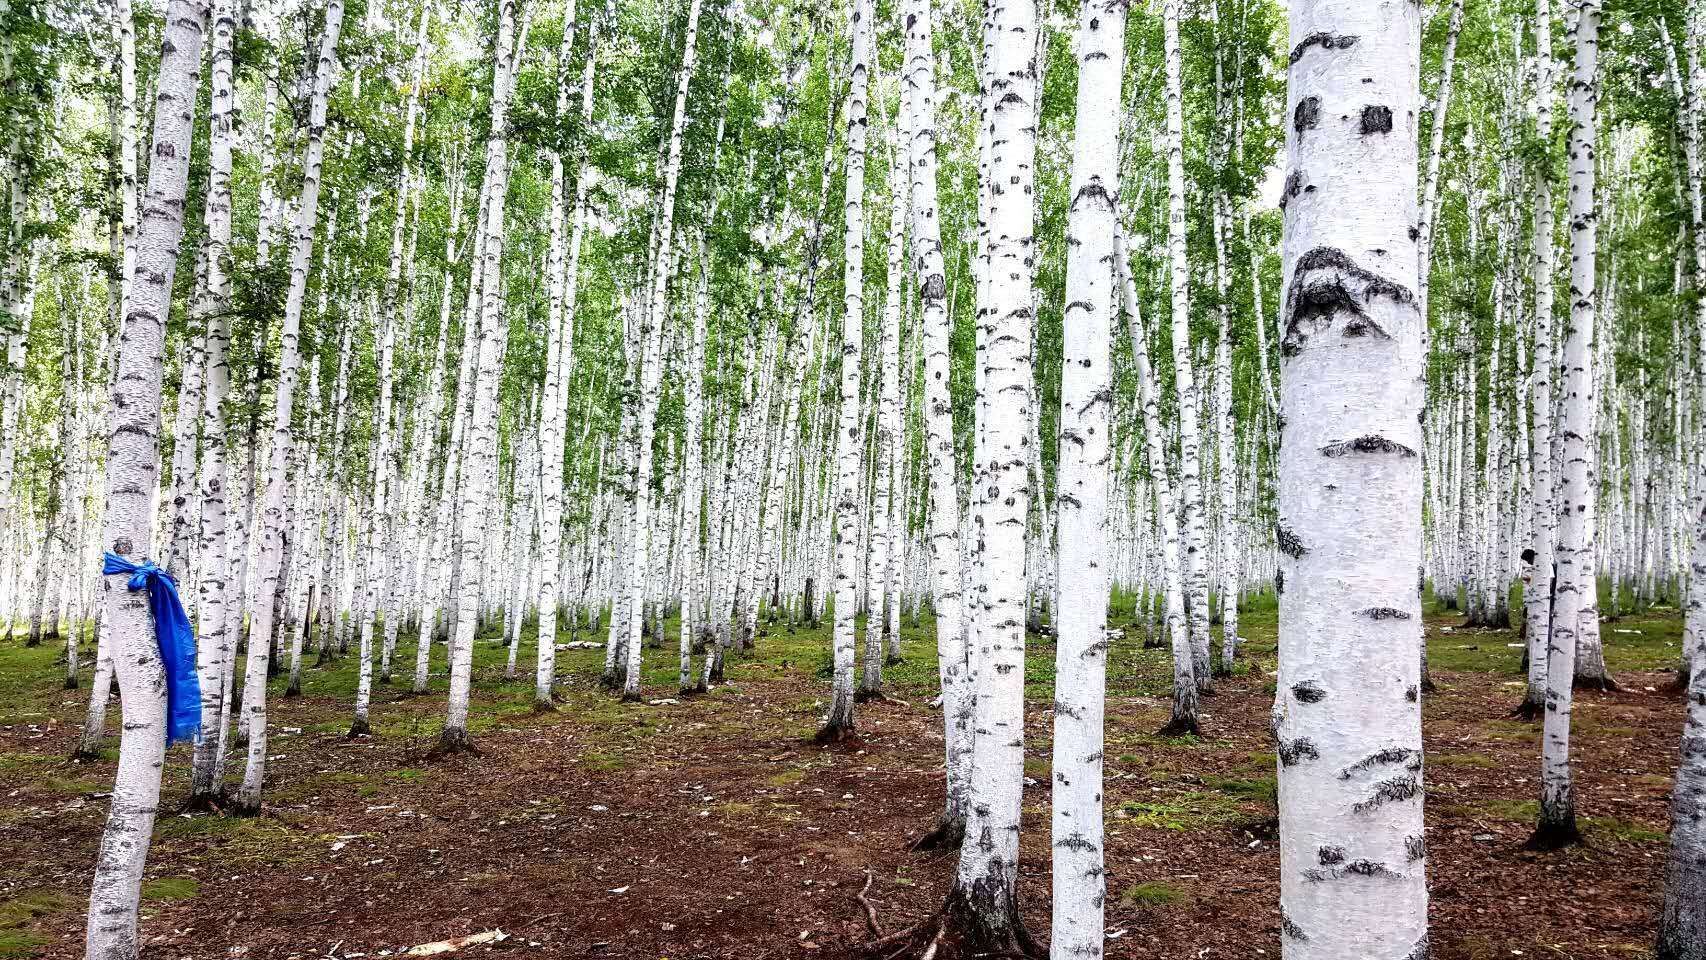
714 827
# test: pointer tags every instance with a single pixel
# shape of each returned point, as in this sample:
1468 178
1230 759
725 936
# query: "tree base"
688 693
893 659
452 741
834 733
1554 836
358 728
71 682
84 755
870 696
1180 727
239 808
631 696
1529 709
946 835
205 801
294 690
544 706
1603 683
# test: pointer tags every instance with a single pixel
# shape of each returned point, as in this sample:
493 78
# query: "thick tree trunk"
1682 922
984 902
476 477
132 472
1347 715
1577 486
1084 475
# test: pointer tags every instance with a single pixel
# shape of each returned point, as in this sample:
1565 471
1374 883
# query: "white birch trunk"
289 363
1538 582
1347 715
849 442
944 517
476 477
983 903
1577 485
1085 473
1184 378
1682 921
132 473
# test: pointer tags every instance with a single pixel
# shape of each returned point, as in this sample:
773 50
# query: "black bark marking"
1330 856
1421 951
1307 116
1293 187
1376 118
1279 583
1416 848
1326 41
1373 443
1327 282
1383 613
1293 752
1411 693
1396 790
1411 759
1291 929
1289 544
1358 868
1308 691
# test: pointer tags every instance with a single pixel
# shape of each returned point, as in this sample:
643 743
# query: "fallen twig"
870 911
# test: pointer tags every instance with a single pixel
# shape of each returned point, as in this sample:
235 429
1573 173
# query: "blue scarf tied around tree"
177 643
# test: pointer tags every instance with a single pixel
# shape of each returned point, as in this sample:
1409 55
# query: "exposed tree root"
870 696
1529 709
358 728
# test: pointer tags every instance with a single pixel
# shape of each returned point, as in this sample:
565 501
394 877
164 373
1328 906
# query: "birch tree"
132 471
849 436
289 364
1347 716
1576 577
1085 472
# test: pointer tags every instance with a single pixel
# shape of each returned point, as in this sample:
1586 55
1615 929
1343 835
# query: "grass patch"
1181 812
16 940
604 761
170 889
1477 761
786 778
1151 894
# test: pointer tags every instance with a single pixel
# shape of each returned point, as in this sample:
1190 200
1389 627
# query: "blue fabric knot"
177 643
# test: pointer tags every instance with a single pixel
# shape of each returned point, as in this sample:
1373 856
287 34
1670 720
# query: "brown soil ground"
714 828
